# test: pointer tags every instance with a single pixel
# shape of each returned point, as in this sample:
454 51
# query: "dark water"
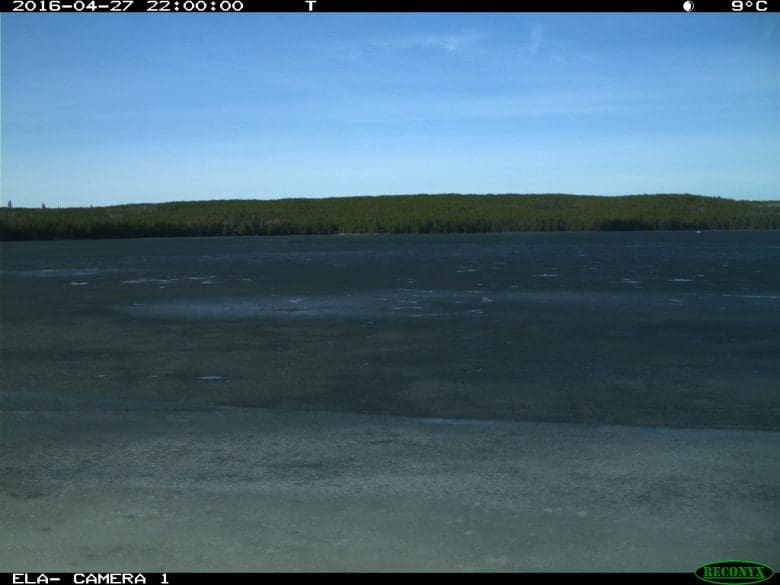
670 328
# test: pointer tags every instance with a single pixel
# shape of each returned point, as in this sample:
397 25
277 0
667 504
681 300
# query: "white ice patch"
52 272
150 281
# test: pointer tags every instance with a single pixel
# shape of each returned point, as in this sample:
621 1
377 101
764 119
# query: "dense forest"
391 214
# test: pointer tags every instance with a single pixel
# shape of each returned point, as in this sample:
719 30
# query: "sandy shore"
93 485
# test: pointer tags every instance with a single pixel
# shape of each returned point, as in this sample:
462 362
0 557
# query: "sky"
102 109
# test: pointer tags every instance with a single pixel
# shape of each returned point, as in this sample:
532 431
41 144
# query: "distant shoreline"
391 214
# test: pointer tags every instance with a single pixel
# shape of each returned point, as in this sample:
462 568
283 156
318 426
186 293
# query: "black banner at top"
314 6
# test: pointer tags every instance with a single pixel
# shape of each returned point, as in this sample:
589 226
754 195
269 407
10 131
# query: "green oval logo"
734 572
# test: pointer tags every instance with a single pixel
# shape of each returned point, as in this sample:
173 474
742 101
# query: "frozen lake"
670 328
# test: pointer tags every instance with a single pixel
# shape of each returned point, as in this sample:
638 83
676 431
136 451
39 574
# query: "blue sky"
100 109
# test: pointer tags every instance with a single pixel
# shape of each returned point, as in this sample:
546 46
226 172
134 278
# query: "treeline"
391 214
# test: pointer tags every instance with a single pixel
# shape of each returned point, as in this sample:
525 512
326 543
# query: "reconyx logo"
734 573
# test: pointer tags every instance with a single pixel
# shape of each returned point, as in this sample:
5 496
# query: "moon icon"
688 6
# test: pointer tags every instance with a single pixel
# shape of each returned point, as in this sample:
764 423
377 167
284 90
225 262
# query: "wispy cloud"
542 43
452 42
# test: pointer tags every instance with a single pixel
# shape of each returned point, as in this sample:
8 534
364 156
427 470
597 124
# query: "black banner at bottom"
38 578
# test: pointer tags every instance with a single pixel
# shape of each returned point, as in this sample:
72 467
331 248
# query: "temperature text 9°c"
758 5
